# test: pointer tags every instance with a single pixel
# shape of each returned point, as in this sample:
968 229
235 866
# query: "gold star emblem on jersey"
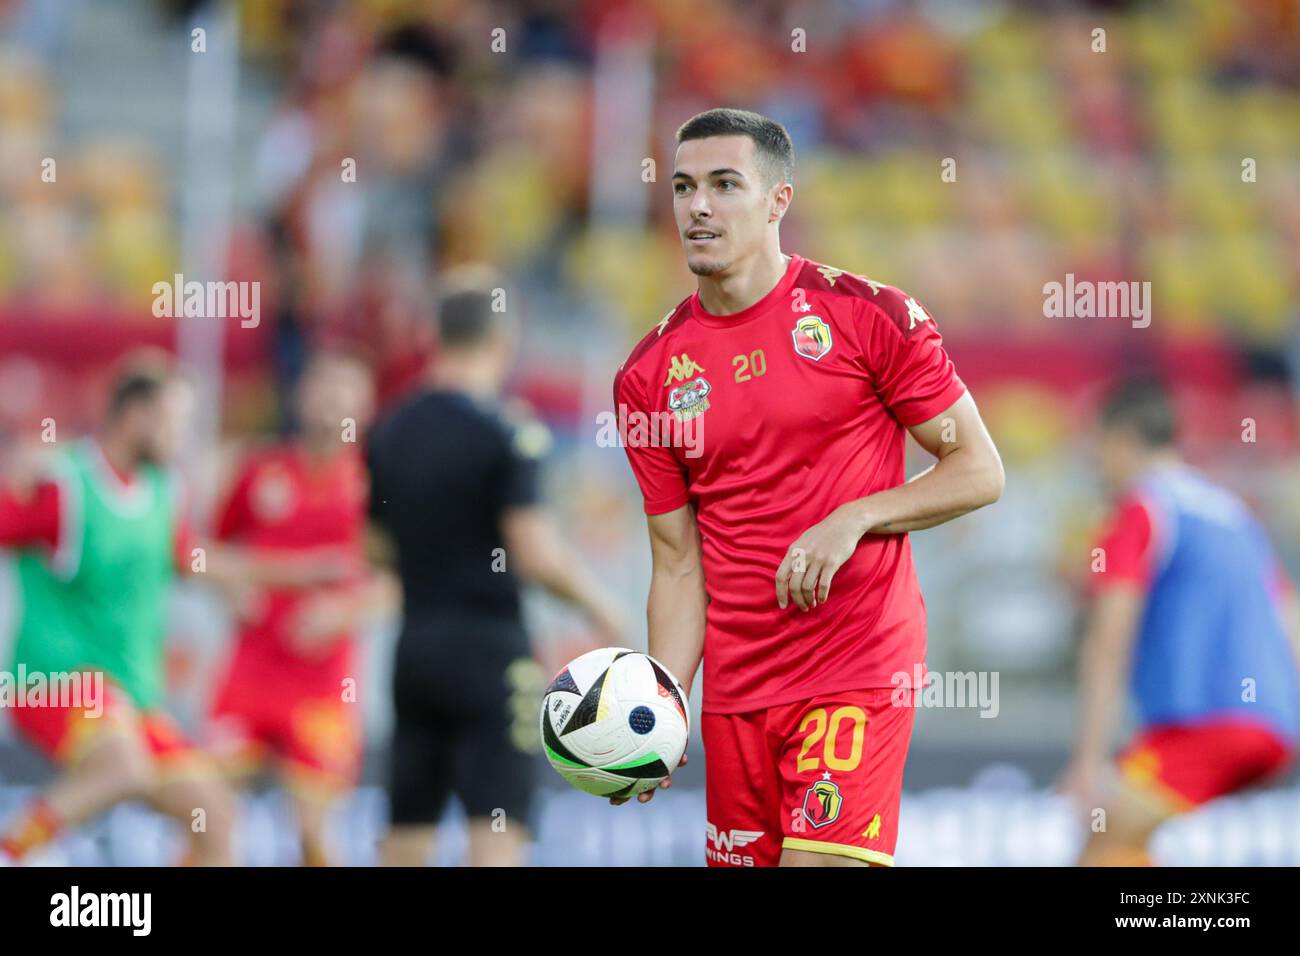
812 337
682 368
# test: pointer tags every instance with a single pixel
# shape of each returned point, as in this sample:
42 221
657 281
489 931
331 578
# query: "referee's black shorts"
466 690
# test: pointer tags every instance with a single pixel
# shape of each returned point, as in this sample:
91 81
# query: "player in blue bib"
1192 611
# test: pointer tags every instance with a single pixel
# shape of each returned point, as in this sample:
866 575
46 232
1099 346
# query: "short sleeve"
233 516
658 472
1127 545
30 519
526 444
913 375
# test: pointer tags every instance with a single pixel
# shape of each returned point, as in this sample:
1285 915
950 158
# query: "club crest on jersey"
812 337
822 802
690 399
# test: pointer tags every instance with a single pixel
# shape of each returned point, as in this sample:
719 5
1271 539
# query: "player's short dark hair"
772 142
1141 404
138 381
468 308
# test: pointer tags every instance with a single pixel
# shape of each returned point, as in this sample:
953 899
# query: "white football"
615 722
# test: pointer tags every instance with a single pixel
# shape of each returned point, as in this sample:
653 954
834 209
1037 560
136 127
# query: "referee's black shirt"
443 468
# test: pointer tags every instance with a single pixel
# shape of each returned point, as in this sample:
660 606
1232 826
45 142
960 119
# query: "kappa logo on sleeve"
830 274
915 313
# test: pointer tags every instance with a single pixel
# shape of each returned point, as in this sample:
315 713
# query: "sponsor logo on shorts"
724 844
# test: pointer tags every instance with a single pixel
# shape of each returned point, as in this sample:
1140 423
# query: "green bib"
100 603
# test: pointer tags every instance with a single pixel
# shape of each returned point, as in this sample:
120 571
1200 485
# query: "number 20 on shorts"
821 728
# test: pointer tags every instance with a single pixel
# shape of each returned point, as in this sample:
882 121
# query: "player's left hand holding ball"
646 797
615 723
811 561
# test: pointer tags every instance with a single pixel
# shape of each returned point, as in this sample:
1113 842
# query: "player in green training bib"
99 604
99 541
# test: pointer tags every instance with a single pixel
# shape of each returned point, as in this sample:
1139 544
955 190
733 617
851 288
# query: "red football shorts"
1182 766
65 734
823 775
314 736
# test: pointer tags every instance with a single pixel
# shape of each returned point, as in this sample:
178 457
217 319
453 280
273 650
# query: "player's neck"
1159 461
1149 465
467 374
743 285
319 447
119 457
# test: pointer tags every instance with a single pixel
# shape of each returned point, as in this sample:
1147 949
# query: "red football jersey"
283 501
780 414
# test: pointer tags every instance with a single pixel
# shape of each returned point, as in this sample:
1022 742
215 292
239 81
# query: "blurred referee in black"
454 489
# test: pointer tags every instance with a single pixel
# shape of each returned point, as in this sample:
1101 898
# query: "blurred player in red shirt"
290 691
789 389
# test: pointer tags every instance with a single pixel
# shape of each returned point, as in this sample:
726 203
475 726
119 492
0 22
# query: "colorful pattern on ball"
614 722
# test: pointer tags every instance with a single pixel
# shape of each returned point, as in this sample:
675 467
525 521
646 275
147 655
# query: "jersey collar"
780 290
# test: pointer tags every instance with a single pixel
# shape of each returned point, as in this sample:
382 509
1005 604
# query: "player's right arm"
676 605
675 608
1104 656
1119 593
677 602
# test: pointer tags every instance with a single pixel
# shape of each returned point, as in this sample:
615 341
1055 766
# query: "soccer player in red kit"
778 508
286 695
